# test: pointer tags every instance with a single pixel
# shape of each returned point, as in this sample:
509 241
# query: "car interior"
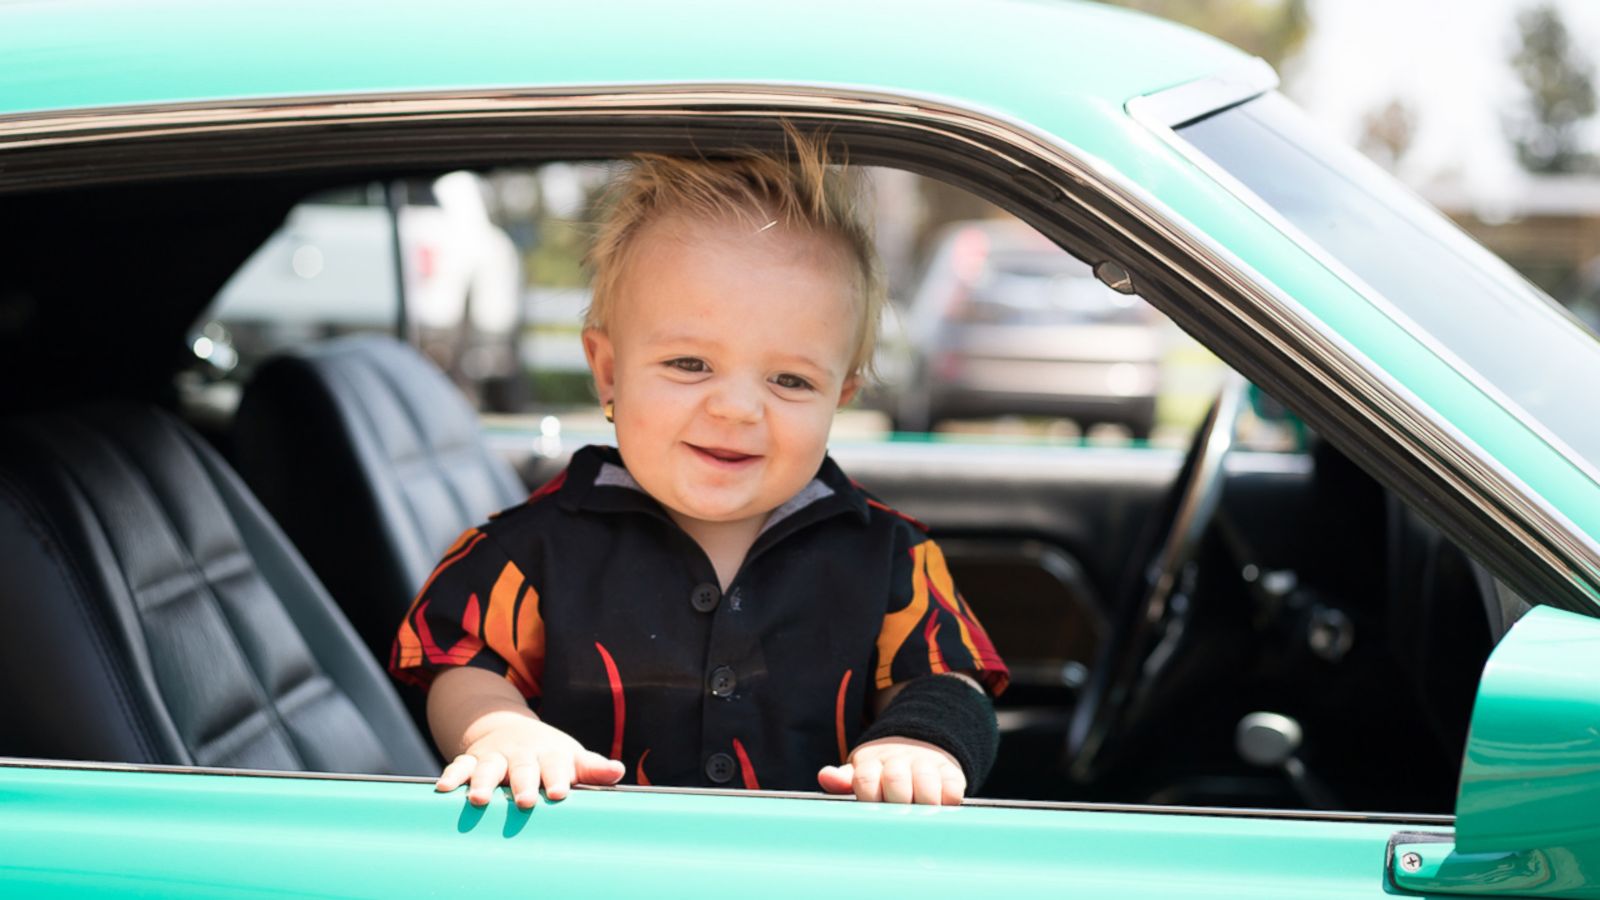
215 585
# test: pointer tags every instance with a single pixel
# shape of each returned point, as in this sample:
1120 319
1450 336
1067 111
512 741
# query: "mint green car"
1281 655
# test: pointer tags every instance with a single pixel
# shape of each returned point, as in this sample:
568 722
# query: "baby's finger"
869 781
489 774
926 785
456 773
954 785
897 780
525 783
836 779
558 773
592 768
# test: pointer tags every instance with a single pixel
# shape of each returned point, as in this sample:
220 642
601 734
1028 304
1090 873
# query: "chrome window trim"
1146 113
1388 407
1154 113
1376 817
1180 105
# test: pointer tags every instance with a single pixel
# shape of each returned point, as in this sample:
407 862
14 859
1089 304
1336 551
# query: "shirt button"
722 681
719 768
705 597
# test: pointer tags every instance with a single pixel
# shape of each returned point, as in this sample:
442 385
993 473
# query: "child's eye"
792 382
688 364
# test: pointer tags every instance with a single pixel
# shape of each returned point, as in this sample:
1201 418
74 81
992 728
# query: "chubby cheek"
799 433
651 417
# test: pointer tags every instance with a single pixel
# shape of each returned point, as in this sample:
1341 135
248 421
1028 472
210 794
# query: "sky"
1448 59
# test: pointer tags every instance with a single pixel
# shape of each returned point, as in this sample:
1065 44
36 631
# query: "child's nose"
735 401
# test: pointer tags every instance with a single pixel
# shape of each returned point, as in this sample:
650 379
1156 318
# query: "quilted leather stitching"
204 588
55 550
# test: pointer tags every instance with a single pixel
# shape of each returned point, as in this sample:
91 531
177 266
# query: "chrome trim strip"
1177 106
1582 549
22 130
1432 819
1387 406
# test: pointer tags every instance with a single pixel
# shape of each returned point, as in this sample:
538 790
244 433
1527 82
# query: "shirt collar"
598 481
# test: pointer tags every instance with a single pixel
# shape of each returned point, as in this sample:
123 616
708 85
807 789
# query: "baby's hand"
898 770
527 752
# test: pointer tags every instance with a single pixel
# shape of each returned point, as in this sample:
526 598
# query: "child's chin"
718 514
720 509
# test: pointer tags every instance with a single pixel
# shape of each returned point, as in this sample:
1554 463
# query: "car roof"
1040 60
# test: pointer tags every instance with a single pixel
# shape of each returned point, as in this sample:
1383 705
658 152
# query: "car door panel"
187 834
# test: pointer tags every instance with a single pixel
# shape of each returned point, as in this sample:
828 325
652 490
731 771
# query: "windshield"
1521 344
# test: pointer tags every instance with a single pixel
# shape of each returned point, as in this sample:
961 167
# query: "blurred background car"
331 269
1002 322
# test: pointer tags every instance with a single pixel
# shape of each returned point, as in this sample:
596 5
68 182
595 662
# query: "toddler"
712 602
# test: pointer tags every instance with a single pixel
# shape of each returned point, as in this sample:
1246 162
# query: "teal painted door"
76 832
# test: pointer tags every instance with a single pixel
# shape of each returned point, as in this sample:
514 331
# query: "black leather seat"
153 613
373 463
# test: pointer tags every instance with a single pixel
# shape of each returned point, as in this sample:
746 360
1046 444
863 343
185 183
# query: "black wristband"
948 713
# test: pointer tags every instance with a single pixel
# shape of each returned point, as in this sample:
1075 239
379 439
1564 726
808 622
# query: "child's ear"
848 392
602 363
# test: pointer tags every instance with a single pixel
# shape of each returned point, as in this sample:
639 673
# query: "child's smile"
724 458
727 357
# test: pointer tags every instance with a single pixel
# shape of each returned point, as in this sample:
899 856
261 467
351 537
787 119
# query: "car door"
174 831
81 831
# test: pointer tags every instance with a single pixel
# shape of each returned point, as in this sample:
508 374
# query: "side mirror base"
1428 863
1528 808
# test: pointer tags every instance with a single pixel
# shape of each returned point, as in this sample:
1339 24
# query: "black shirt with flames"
601 611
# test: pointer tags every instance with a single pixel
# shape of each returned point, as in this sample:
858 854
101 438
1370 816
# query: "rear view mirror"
1528 809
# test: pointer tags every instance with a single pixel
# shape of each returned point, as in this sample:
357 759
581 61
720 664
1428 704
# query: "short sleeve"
929 627
476 609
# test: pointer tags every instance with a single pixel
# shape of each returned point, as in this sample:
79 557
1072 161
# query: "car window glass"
1521 343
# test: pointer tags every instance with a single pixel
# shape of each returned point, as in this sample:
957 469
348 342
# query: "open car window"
1035 418
961 351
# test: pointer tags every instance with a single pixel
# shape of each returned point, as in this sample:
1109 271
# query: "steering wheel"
1148 612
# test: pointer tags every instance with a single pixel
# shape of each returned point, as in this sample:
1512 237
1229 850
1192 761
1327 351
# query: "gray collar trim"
808 495
613 475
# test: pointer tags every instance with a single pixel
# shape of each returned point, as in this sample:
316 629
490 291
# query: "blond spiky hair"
804 190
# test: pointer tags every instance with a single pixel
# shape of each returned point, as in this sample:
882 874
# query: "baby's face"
726 355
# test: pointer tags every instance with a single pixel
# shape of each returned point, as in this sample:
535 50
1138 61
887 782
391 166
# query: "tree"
1558 79
1387 132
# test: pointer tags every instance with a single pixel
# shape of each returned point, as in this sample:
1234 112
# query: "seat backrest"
373 463
155 614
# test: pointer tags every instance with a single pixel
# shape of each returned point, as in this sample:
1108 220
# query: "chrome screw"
1411 862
